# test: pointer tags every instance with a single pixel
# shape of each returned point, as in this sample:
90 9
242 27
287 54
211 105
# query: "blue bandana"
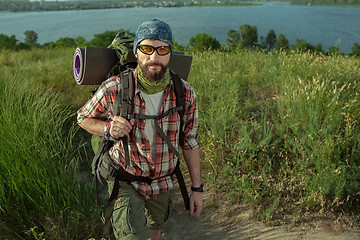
153 29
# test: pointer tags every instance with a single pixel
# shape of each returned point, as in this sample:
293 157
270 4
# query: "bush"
203 41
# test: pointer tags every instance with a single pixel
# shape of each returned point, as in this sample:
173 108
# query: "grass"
280 132
41 195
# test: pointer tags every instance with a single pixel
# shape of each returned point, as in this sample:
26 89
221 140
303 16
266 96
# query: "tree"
80 41
302 45
334 50
179 47
355 50
318 48
204 41
234 39
66 42
269 41
106 38
7 42
103 39
249 36
31 38
281 43
49 45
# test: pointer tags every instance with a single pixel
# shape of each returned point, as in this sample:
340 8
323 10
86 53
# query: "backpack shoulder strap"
180 101
127 93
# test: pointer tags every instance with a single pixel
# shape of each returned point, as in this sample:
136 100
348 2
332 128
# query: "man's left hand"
196 203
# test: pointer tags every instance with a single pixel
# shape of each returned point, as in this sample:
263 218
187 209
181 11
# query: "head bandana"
153 29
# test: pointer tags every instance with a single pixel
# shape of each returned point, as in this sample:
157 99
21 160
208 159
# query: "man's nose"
154 56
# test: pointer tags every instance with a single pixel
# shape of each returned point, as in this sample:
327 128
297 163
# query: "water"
330 26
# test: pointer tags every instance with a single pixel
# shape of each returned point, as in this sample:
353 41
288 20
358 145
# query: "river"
330 26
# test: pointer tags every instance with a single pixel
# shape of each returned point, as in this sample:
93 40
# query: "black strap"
180 101
126 104
109 209
115 190
182 187
125 142
166 139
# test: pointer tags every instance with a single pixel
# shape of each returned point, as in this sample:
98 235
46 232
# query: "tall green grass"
281 131
48 68
41 195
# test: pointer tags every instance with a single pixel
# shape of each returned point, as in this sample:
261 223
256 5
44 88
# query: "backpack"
102 167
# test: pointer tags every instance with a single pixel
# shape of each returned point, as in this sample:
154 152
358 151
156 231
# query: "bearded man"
141 209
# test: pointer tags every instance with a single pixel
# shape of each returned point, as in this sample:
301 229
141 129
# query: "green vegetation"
244 38
327 2
280 132
41 195
353 3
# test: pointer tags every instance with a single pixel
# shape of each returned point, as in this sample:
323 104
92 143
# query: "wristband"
198 189
107 134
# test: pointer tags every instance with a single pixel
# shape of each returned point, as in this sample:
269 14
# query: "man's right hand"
121 127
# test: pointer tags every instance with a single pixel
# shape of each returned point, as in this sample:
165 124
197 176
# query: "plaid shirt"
141 162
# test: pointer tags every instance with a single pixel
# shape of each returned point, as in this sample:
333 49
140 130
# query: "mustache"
152 63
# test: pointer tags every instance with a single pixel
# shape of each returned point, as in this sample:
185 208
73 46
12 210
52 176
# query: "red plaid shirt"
141 162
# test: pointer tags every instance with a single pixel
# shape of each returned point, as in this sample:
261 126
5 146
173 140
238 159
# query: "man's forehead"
154 42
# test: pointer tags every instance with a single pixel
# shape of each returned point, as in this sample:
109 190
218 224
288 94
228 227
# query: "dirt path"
225 221
235 222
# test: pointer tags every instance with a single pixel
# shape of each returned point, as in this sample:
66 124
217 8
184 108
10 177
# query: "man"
141 206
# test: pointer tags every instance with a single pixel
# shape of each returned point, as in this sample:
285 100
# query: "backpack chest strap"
157 126
156 117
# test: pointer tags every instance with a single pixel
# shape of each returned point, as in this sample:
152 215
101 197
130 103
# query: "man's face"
153 66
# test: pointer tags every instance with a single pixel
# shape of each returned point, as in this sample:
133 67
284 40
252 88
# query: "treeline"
353 3
26 5
43 5
244 38
327 2
247 38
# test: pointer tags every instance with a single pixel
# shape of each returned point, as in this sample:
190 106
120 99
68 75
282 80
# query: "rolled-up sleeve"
191 126
98 104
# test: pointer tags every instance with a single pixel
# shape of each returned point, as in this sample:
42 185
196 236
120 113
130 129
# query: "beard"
153 76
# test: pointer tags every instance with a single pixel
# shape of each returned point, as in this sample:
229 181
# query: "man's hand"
120 127
196 203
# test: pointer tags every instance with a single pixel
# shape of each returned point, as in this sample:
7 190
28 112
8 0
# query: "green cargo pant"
134 215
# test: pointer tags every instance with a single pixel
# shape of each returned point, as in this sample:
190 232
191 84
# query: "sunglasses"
148 50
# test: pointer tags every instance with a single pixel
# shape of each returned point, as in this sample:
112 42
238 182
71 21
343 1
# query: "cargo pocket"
128 218
158 210
120 218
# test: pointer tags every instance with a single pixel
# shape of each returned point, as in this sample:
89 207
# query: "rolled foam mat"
91 65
